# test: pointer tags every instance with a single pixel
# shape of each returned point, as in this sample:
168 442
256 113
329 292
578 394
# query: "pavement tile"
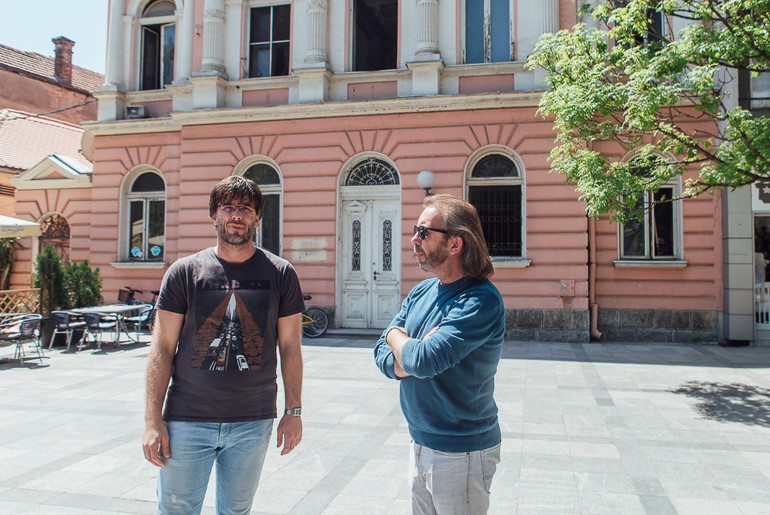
587 429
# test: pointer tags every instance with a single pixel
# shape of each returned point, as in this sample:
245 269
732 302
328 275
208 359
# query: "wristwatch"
294 412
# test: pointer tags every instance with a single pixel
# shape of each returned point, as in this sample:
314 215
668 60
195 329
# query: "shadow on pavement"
734 402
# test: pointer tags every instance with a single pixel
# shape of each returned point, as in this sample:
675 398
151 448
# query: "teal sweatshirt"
456 333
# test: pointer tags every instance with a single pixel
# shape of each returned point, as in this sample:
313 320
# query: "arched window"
495 188
54 230
372 172
158 35
146 208
268 235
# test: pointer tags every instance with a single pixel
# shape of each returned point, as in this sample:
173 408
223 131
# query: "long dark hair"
461 219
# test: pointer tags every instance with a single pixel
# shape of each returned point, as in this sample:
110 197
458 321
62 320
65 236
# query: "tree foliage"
667 95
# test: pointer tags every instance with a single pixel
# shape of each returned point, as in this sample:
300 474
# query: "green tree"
50 280
623 79
83 285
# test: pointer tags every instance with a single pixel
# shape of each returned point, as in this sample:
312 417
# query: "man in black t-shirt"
220 313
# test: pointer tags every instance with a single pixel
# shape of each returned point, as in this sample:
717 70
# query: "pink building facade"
334 111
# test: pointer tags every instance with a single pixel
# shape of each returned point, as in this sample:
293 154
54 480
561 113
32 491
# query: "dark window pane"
260 25
146 182
150 58
474 31
280 59
271 224
499 209
633 239
663 224
136 229
169 32
156 229
262 174
495 165
376 35
500 27
281 22
259 61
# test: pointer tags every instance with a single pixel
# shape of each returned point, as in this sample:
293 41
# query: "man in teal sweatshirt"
444 346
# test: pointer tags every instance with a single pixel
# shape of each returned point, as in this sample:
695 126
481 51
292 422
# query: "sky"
30 25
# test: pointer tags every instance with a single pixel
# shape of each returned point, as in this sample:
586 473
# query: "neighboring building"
54 87
43 155
334 107
42 99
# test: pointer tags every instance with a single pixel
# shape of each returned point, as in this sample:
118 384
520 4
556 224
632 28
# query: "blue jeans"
238 448
451 483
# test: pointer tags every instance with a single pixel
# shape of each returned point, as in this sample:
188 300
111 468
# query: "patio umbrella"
13 227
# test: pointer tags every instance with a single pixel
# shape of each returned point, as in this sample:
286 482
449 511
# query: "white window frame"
127 196
163 22
272 189
246 61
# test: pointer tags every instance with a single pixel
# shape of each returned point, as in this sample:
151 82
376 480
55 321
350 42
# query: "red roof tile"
26 139
42 66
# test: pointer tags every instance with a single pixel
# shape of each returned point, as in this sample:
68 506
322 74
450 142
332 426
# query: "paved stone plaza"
587 429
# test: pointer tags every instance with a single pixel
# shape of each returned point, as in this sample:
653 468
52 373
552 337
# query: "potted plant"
50 279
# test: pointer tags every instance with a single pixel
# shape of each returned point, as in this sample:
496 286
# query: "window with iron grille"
269 41
495 190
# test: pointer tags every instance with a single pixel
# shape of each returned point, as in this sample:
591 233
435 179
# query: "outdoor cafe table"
119 310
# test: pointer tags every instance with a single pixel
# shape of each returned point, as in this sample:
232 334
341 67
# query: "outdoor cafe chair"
143 316
97 324
21 330
64 325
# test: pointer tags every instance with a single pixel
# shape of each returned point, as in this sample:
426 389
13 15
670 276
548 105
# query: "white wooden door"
371 251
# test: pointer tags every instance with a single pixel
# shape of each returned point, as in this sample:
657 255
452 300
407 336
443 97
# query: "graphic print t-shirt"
225 365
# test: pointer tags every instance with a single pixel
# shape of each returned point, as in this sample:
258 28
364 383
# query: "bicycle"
314 321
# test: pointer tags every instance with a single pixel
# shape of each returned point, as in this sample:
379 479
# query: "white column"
184 37
318 32
115 61
427 43
213 38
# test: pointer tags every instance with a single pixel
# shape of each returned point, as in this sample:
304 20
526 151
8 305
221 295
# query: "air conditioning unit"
134 112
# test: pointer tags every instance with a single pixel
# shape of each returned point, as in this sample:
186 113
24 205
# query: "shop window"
375 35
487 31
268 234
158 35
269 41
145 204
495 188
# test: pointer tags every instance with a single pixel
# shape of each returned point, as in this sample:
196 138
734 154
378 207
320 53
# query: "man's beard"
235 239
433 259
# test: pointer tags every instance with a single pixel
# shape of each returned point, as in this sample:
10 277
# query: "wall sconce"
426 180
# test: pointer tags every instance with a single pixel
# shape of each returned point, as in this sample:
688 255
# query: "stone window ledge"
657 263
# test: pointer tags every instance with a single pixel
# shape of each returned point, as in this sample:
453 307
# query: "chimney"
63 62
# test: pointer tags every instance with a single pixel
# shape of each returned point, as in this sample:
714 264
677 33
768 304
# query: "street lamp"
426 180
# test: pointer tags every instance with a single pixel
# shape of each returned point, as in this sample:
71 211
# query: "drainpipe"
593 307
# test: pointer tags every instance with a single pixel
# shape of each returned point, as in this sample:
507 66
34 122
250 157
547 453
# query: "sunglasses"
421 231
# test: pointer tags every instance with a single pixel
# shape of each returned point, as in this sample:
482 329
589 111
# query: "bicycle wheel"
314 322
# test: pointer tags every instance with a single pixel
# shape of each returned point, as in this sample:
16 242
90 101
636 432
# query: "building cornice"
402 105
